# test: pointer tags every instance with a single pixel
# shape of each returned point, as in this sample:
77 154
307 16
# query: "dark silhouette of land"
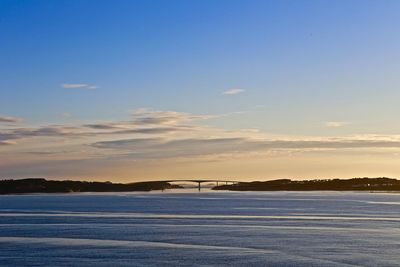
39 185
354 184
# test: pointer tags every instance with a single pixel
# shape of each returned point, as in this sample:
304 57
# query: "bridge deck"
199 182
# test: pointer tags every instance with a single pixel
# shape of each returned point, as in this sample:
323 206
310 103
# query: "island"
353 184
41 185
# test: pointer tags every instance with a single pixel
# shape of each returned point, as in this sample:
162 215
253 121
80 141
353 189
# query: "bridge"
199 182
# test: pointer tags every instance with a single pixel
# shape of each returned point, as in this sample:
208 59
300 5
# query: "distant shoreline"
40 185
381 184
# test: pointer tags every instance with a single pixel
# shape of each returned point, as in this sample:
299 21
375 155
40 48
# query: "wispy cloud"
233 91
56 131
154 134
7 142
151 121
78 86
336 124
9 119
144 122
145 116
155 148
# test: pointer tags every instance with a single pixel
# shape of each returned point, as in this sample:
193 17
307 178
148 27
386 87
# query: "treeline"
354 184
39 185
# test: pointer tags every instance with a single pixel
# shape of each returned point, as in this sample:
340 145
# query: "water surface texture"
201 229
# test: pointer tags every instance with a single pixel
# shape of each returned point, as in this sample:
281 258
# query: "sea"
207 228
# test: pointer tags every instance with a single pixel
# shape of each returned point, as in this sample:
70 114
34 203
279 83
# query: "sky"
246 90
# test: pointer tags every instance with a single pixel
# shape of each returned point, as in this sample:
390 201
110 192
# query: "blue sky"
305 68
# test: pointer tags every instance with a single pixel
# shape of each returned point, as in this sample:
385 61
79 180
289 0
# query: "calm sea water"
201 229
